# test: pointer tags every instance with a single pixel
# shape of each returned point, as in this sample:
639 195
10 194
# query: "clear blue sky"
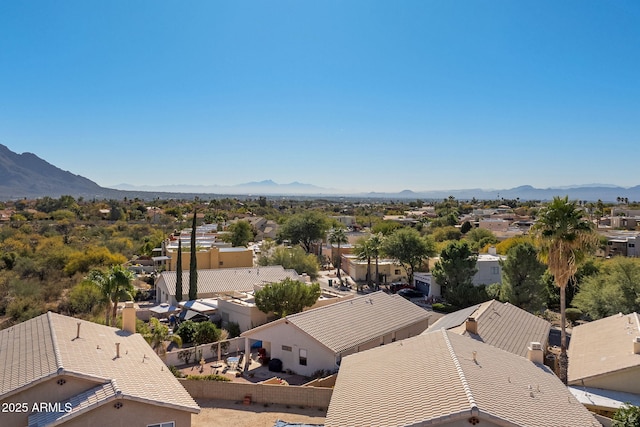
354 95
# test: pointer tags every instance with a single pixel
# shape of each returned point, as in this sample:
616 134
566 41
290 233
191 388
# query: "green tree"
454 273
294 258
338 236
84 297
286 297
385 227
158 336
409 249
187 331
627 416
442 234
363 251
193 262
304 229
116 285
564 238
179 272
240 234
466 227
615 289
478 238
522 283
206 332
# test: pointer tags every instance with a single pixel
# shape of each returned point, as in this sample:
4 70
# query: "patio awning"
206 306
164 308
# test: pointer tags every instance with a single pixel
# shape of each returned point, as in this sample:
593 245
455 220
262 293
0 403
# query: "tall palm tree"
375 243
362 250
116 284
564 238
338 236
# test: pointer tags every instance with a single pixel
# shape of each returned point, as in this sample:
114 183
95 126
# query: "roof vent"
636 345
535 353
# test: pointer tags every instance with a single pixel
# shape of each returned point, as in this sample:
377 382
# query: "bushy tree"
304 229
294 258
84 297
409 249
187 331
615 289
454 272
206 332
286 297
522 283
158 336
627 416
478 238
240 234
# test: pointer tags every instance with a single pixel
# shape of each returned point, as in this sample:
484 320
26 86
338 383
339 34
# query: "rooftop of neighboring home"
219 281
500 324
121 364
443 378
604 346
345 324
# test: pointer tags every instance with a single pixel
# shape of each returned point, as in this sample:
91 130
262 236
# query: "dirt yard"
223 413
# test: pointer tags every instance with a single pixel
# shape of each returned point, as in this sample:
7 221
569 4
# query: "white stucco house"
318 339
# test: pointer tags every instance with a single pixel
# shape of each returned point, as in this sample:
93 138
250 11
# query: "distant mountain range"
27 175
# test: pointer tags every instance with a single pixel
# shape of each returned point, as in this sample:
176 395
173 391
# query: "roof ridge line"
54 341
637 320
463 379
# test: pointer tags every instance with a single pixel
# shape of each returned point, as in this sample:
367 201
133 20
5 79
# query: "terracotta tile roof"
225 280
500 324
433 379
47 346
345 324
603 346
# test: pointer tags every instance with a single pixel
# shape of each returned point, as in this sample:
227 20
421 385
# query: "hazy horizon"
357 96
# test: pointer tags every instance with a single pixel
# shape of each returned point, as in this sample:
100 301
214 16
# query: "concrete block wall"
312 397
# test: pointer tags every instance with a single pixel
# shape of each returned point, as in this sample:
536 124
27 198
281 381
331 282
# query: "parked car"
410 293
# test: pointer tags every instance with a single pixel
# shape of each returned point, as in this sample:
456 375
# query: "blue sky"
351 95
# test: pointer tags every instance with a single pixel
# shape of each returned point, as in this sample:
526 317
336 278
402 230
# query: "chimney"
118 350
535 353
78 333
129 317
492 250
636 345
471 325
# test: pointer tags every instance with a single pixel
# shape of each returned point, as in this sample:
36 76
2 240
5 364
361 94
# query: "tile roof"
345 324
441 378
47 346
603 346
225 280
502 325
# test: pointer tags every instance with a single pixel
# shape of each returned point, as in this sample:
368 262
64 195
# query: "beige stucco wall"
357 270
131 414
316 397
213 258
46 392
277 335
627 381
247 317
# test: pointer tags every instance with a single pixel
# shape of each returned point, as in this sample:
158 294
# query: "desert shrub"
211 377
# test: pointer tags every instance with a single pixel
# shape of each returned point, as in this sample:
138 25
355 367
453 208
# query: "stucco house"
501 325
318 339
58 370
446 379
604 357
213 283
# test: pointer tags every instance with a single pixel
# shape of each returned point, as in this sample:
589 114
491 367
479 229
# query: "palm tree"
116 285
338 236
362 250
159 335
564 238
375 246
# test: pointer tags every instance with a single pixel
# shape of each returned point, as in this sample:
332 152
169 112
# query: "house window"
286 348
495 270
397 272
632 245
167 424
221 263
303 357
